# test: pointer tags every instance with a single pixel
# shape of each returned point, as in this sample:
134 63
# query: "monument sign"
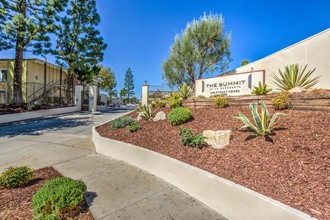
231 85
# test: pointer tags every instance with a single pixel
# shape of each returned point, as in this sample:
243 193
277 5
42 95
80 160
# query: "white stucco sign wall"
231 85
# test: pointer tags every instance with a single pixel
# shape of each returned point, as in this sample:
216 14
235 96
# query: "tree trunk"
18 67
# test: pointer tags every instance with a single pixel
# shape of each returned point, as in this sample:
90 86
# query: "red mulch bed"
294 169
17 203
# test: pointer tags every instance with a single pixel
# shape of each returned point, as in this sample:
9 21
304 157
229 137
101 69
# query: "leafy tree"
107 80
79 44
26 24
123 92
201 49
244 62
129 84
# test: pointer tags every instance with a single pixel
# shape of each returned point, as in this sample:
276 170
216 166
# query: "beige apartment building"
41 81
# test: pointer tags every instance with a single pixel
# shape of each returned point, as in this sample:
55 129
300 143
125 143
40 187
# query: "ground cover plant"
191 140
134 127
15 177
294 169
56 197
179 116
121 122
281 101
16 203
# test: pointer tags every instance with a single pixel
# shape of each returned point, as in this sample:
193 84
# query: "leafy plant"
220 101
153 104
262 124
294 76
261 89
15 177
145 112
281 101
179 116
174 100
185 91
57 196
161 103
121 122
134 127
188 139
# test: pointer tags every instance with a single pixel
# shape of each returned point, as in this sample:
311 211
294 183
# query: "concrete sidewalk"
116 190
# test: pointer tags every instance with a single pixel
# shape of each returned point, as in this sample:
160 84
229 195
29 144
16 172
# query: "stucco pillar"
92 98
145 93
78 98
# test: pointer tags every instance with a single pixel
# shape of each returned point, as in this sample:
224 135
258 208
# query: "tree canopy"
202 48
107 80
244 62
26 24
129 83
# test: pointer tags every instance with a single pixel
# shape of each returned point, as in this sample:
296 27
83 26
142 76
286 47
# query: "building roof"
36 60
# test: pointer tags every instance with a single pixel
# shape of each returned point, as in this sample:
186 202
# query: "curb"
231 200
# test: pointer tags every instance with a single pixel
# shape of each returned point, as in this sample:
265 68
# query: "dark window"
3 75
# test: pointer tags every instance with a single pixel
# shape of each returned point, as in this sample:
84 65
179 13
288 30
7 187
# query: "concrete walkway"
116 190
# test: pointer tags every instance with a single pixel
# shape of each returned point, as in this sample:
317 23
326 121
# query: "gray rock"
159 116
217 139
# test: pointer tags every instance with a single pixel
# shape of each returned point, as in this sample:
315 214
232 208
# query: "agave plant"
295 76
185 91
145 112
261 89
263 124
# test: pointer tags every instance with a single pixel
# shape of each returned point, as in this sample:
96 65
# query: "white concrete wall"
233 201
314 51
145 94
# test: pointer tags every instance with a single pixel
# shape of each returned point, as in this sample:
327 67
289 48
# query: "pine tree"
25 24
79 45
201 49
129 84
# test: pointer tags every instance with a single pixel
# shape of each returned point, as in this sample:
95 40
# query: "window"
3 75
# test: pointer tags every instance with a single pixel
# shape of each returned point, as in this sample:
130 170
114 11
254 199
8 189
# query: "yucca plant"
263 124
185 91
294 76
261 89
145 112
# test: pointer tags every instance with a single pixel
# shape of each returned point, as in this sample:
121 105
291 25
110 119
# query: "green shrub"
261 89
178 116
281 101
174 100
145 112
185 91
121 122
188 139
161 103
14 177
57 196
295 76
262 124
220 101
134 127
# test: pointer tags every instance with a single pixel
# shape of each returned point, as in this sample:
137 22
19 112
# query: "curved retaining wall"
228 198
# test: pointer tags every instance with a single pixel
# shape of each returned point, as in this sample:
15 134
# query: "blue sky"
139 33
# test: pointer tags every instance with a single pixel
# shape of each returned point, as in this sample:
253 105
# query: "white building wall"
314 51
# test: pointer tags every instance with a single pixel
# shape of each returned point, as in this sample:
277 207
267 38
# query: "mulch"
17 203
293 167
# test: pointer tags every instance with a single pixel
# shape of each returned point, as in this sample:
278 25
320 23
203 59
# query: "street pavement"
115 190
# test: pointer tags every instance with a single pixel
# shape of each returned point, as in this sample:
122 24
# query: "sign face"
231 85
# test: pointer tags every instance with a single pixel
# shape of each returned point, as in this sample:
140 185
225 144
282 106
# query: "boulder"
159 116
217 139
139 118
